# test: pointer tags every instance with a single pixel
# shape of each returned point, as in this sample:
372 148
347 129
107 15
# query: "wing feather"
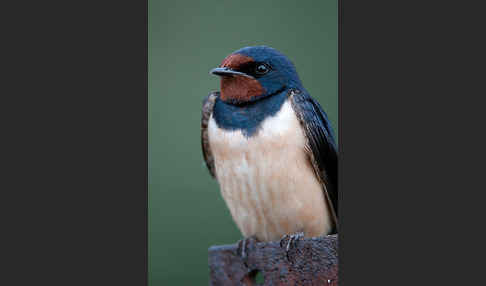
321 147
207 110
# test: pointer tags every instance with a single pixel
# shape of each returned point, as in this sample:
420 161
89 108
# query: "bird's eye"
262 69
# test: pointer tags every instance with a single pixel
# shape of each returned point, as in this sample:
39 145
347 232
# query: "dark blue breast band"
248 117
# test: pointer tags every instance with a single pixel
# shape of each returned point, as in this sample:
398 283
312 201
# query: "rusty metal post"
312 261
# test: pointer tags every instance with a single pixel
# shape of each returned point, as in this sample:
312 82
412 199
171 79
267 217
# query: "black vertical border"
341 146
74 157
410 80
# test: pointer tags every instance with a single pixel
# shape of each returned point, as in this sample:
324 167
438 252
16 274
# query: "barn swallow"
271 148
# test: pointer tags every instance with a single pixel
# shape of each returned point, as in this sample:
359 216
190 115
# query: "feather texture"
321 147
207 110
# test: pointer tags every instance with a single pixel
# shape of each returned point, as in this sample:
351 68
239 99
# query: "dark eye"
261 69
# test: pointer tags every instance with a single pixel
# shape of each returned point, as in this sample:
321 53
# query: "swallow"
271 148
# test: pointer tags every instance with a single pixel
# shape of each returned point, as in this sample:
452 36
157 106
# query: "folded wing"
321 146
207 110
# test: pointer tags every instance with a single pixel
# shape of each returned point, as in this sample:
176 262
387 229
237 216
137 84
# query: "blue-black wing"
321 146
207 110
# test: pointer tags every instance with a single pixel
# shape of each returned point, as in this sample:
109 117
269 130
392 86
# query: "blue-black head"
252 73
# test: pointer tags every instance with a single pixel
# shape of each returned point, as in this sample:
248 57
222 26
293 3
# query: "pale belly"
267 180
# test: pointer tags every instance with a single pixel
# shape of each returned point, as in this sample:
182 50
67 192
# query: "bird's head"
252 73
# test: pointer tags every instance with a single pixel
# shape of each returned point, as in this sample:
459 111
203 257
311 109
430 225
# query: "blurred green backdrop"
186 39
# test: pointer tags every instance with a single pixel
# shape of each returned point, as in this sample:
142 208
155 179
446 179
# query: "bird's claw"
291 240
243 246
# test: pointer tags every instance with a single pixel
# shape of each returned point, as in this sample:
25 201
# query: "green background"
186 39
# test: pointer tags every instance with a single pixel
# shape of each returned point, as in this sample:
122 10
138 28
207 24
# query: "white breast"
267 180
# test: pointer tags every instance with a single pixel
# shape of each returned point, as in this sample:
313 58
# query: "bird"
271 148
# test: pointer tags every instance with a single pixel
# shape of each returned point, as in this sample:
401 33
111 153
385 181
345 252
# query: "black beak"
227 72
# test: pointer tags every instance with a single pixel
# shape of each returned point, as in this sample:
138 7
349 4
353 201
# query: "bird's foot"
290 240
243 246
